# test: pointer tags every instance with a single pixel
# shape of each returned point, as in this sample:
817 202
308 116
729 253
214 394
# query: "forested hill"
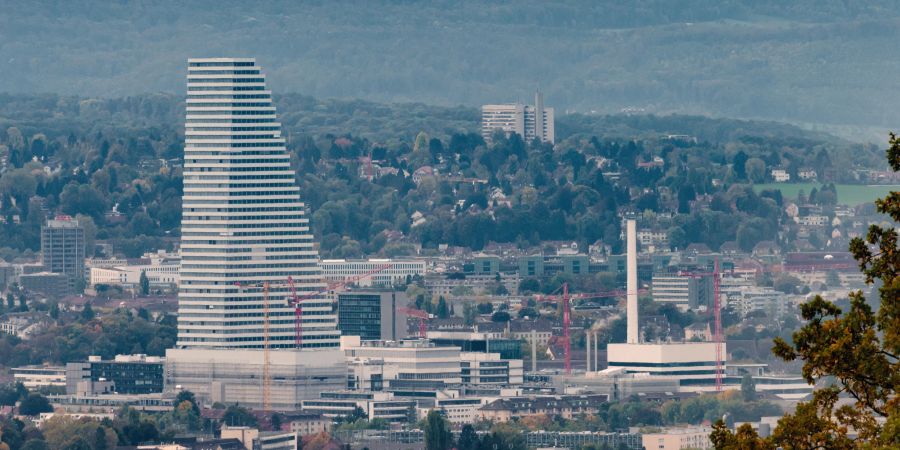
808 61
384 124
115 164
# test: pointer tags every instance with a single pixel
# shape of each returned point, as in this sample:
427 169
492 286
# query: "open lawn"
849 194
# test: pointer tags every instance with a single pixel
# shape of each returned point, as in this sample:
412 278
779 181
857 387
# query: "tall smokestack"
587 343
632 285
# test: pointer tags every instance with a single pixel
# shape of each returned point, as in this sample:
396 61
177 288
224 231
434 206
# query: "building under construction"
236 376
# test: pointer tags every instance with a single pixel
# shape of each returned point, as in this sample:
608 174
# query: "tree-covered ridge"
115 163
777 60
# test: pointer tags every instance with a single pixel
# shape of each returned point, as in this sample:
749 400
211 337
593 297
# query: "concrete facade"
235 375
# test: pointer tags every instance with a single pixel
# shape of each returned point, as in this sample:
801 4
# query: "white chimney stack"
632 284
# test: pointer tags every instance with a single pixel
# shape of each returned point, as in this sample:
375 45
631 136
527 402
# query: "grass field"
849 194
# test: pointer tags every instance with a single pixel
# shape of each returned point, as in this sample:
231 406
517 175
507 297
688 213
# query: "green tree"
10 301
34 404
239 416
145 283
83 199
756 170
18 184
23 302
738 164
35 444
437 432
100 439
500 316
530 285
442 311
485 308
468 439
87 313
8 395
469 313
187 396
78 443
748 388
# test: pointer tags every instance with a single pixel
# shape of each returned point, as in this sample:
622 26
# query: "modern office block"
62 248
130 374
372 315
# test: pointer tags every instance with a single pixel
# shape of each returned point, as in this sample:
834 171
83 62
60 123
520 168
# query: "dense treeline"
74 337
115 164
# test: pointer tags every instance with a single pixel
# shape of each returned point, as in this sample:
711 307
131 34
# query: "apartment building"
528 121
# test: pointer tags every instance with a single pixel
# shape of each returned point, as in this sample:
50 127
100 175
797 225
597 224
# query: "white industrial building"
35 377
377 405
488 368
688 362
678 438
462 410
528 121
691 363
418 367
407 365
162 270
390 271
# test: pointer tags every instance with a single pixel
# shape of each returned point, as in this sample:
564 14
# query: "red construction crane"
298 315
566 312
422 315
717 318
297 300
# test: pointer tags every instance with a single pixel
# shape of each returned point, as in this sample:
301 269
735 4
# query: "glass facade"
360 315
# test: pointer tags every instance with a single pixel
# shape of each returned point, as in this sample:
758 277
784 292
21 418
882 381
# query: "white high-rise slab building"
243 223
528 121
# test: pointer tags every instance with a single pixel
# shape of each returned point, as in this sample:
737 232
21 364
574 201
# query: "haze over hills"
813 62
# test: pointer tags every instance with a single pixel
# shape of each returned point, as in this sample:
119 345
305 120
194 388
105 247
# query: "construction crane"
298 327
422 315
298 314
566 312
297 300
566 301
267 376
717 318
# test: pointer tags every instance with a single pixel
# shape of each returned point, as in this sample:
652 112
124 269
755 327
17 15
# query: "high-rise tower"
243 223
62 248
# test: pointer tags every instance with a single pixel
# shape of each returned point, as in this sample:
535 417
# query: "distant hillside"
803 61
100 160
385 124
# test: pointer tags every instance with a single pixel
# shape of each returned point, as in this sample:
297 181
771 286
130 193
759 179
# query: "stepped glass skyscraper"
243 222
